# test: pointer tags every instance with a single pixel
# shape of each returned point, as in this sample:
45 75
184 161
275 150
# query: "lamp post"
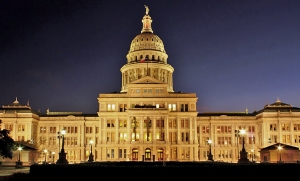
59 136
91 156
237 135
279 149
53 154
243 153
210 156
62 155
19 149
252 151
45 152
19 163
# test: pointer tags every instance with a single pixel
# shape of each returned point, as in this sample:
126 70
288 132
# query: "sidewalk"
6 171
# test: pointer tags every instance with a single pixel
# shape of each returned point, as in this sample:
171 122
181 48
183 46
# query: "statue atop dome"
147 22
147 9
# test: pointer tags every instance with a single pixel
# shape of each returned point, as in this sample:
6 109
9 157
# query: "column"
154 130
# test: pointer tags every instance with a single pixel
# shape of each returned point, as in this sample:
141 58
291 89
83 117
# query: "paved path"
5 171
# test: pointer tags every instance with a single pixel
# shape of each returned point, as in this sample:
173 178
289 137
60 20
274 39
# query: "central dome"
147 41
147 46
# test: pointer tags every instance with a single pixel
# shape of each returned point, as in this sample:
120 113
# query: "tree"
7 144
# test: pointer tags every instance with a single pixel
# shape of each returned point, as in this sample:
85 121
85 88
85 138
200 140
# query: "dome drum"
148 56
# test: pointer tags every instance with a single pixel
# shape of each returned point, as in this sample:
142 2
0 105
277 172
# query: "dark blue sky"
60 54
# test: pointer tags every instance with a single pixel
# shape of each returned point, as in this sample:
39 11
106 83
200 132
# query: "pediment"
147 80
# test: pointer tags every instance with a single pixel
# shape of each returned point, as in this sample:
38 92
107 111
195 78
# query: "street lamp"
210 156
45 152
19 149
19 163
53 154
59 136
91 157
243 153
62 155
237 135
279 149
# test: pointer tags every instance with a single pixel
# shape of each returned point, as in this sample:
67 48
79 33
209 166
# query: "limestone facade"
147 120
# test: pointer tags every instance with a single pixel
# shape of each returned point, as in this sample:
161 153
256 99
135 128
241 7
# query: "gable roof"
276 145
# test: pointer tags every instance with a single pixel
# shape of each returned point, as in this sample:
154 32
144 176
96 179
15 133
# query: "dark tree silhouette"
7 144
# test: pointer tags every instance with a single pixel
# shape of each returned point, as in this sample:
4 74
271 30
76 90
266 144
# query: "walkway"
6 171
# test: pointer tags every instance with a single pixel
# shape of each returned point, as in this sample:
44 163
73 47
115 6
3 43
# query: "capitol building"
147 120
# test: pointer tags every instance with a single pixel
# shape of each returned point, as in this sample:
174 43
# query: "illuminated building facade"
147 120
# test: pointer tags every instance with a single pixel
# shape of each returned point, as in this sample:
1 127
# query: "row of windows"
223 129
171 107
20 128
284 127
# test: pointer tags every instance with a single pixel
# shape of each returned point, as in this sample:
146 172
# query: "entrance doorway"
135 154
147 154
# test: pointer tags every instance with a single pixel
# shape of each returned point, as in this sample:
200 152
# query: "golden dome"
147 41
147 46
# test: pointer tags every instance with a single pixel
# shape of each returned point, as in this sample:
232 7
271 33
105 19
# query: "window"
97 129
185 153
88 129
296 127
272 127
224 141
122 107
184 107
251 129
159 123
172 107
184 136
205 140
205 129
110 137
42 129
223 129
172 123
52 140
297 138
186 123
135 123
173 136
110 123
122 136
285 127
251 139
273 139
21 128
9 127
52 129
286 139
111 107
224 154
70 129
135 137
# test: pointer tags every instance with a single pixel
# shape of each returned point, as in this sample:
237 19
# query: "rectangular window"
42 129
111 107
186 123
21 128
184 107
88 129
272 127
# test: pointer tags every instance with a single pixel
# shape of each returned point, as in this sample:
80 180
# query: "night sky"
60 54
